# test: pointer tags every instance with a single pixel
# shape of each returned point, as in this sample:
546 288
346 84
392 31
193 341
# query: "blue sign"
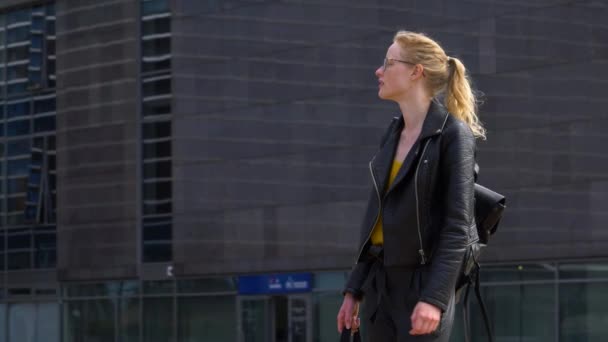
275 283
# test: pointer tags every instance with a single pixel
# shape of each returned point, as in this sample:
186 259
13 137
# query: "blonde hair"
443 75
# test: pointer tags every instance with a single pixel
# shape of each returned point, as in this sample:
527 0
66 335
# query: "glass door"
299 318
254 315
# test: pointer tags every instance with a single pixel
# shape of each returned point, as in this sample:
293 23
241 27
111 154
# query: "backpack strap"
482 306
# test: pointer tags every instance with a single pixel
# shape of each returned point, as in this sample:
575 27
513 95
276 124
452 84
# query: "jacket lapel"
382 161
432 125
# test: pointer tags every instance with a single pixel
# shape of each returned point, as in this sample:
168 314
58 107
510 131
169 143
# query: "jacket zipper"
377 215
421 250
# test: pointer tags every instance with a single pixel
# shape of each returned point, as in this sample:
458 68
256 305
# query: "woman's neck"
414 112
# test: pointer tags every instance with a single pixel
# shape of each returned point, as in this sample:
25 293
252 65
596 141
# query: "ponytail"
460 99
443 74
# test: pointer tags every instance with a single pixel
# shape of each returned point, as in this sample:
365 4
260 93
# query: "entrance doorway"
276 318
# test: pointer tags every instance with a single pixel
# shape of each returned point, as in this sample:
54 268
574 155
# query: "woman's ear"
418 72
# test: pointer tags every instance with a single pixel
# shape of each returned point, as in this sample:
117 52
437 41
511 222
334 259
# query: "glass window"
37 23
157 208
220 284
22 319
15 219
18 260
156 26
206 325
157 190
18 147
35 60
326 306
89 320
157 252
17 72
154 6
157 87
329 280
158 129
18 109
47 322
18 167
518 312
18 16
45 249
160 232
16 89
1 261
2 318
151 64
17 53
21 127
17 185
20 239
583 271
44 124
158 322
516 273
159 149
110 288
159 169
157 107
45 105
50 51
18 34
156 47
99 320
158 287
128 320
16 204
583 313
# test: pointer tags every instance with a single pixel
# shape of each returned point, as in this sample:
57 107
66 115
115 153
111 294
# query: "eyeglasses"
387 64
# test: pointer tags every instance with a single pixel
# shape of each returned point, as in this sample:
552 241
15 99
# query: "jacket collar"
382 162
433 122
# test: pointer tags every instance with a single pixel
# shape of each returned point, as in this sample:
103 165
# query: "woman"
420 213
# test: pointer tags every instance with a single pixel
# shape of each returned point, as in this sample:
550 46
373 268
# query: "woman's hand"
425 319
348 314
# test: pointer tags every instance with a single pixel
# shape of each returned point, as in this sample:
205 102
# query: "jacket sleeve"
457 179
356 279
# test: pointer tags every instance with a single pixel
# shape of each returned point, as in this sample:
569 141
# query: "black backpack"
489 208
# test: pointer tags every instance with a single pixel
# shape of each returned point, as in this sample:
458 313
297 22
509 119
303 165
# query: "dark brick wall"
276 116
97 67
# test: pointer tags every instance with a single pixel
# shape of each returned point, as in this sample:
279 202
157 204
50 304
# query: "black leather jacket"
428 211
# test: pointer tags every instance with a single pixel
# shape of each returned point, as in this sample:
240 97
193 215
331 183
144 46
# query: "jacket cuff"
443 307
357 294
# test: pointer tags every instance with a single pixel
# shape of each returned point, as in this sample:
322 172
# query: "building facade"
180 170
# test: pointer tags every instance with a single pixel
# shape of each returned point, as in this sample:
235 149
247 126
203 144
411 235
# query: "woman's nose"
379 71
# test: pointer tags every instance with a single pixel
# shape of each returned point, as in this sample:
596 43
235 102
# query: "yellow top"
377 236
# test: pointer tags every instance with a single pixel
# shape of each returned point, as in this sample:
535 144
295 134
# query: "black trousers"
391 293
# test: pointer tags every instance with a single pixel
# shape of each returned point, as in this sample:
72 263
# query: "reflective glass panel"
154 6
583 271
22 318
158 169
221 284
206 325
128 320
583 313
47 322
158 322
518 312
509 273
157 252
